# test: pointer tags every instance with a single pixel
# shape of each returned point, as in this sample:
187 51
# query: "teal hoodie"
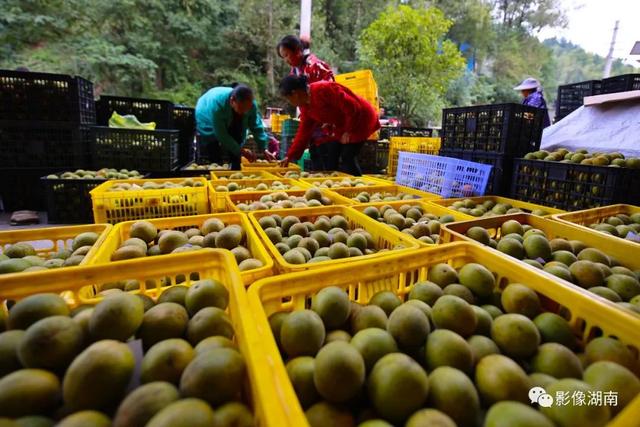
214 115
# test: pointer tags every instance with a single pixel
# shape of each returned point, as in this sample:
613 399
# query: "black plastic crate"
184 120
146 110
512 129
143 150
202 156
500 178
368 159
623 83
571 96
416 132
68 200
382 155
46 97
20 189
572 186
43 144
386 132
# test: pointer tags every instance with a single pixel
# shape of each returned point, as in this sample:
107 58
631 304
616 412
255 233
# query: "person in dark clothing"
532 95
223 117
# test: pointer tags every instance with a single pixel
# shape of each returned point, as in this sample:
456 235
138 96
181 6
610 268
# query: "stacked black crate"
154 151
494 135
571 96
44 128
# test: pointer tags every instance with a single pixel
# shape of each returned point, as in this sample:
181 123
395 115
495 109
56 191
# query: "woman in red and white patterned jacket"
303 63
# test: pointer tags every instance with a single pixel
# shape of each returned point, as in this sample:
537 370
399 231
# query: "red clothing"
315 69
337 106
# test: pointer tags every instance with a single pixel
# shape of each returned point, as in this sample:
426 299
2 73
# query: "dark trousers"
215 153
348 153
319 156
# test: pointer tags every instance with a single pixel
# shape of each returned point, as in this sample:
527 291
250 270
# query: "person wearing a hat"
531 91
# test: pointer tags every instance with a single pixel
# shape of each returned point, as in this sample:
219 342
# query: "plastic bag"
129 121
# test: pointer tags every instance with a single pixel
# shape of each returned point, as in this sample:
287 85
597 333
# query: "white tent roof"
613 126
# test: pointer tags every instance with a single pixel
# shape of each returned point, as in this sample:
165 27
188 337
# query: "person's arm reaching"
222 134
301 141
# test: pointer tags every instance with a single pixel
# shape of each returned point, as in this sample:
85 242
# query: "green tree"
529 15
412 62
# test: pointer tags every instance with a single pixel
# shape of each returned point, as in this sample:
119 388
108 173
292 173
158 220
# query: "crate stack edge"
44 127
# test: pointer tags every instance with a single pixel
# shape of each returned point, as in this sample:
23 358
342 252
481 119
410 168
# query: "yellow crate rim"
217 199
308 182
121 232
104 201
233 199
338 174
498 199
585 217
349 193
412 144
216 175
56 238
387 180
265 394
397 272
428 208
383 235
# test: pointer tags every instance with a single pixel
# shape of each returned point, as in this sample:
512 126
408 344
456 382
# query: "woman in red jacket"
349 118
296 53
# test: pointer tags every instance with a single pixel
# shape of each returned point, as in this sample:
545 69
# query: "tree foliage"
176 49
412 61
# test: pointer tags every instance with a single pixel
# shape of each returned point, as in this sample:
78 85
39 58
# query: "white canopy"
613 126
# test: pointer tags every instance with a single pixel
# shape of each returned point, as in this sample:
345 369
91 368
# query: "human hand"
269 156
250 155
344 139
284 162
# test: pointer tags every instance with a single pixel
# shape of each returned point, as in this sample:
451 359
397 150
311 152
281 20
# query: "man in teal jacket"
223 116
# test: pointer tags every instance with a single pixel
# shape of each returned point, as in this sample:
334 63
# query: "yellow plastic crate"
217 199
553 229
383 236
78 285
117 206
587 217
528 207
121 232
350 193
47 241
309 182
384 179
412 144
426 207
297 174
276 122
233 199
398 272
361 83
223 176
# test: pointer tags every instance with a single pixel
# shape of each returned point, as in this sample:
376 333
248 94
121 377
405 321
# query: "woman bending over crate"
348 118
